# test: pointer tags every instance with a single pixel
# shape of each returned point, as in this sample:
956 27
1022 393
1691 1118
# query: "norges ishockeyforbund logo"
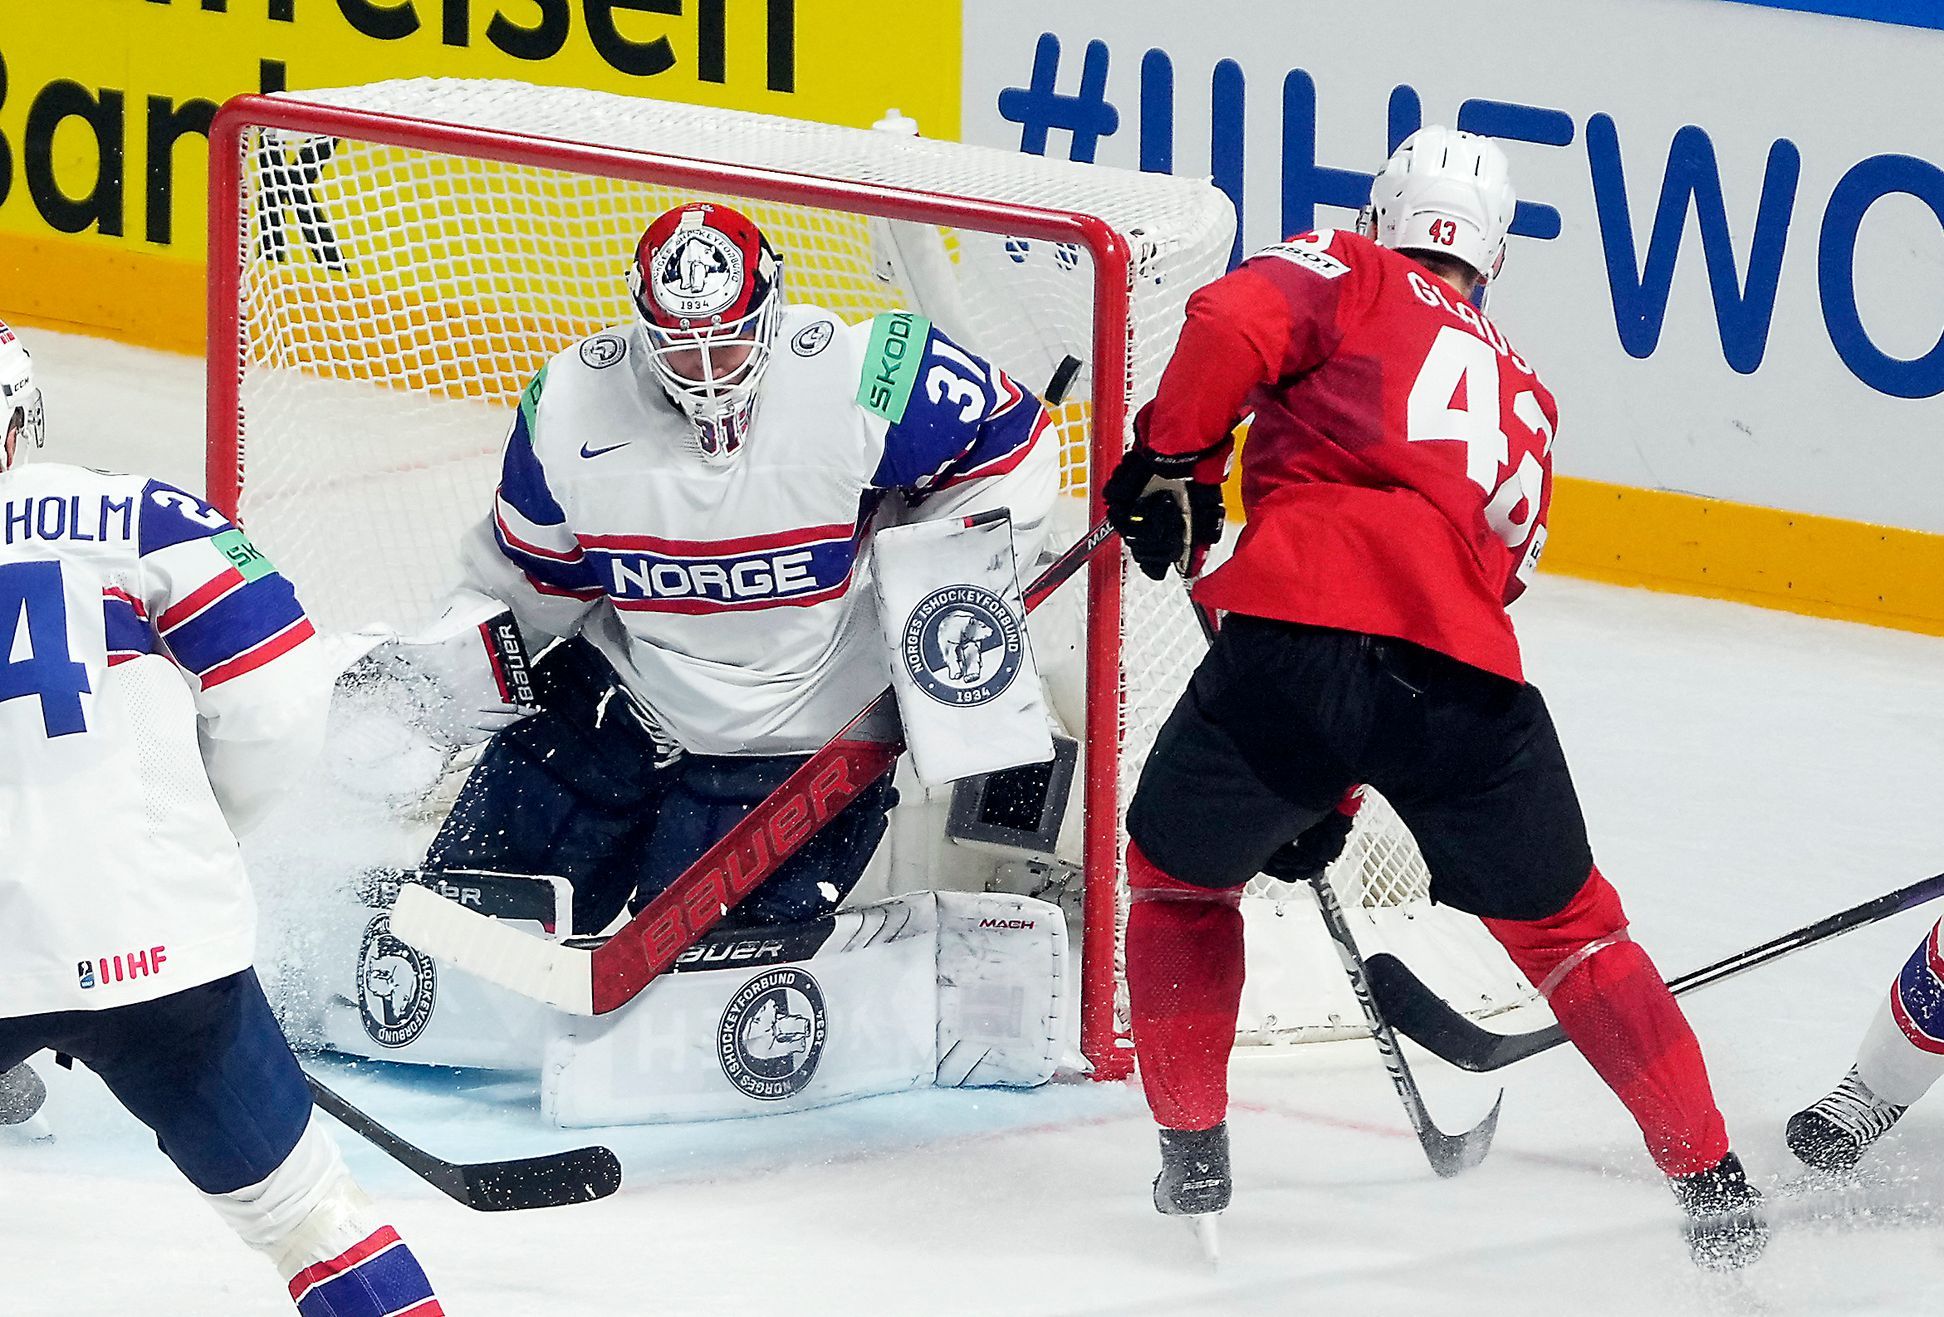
963 645
772 1033
396 986
697 274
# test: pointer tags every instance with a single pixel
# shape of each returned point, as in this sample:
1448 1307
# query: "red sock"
1184 984
1613 1006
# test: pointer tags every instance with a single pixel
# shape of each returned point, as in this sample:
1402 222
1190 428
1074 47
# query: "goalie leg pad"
313 1222
1612 1004
1184 983
1903 1051
711 795
570 791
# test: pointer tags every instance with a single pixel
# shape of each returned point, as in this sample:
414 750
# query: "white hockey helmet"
20 400
1444 191
708 287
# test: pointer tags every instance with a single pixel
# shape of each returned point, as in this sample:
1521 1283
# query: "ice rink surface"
1744 772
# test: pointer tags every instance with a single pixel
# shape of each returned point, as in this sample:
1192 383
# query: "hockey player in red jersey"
1396 481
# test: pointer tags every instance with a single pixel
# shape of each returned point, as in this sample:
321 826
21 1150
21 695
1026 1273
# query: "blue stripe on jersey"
523 483
124 630
239 621
576 577
171 516
391 1282
959 417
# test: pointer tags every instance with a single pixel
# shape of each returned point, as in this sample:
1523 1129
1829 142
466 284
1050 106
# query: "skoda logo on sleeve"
396 986
963 645
772 1033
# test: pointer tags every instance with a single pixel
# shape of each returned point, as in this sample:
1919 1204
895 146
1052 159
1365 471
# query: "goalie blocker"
949 988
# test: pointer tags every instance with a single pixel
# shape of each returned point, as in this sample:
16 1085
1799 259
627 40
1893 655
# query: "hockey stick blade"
1421 1015
579 1175
499 953
597 981
1449 1154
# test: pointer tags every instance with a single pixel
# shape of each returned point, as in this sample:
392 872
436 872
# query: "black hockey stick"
579 1175
1425 1017
1448 1153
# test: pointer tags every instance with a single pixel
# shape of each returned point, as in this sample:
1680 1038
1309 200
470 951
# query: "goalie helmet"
20 400
706 283
1444 191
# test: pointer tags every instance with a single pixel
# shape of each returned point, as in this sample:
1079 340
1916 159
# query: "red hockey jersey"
1397 474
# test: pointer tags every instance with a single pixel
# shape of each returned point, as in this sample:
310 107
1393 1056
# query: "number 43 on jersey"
1456 397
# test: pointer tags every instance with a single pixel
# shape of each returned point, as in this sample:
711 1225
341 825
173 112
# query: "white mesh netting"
396 292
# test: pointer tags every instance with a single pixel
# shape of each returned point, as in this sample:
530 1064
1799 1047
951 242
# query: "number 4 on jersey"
34 658
1456 397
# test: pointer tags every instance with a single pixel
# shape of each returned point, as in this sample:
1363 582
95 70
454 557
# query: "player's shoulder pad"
894 346
1325 253
171 516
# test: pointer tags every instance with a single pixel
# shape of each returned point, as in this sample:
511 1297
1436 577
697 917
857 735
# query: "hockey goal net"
389 264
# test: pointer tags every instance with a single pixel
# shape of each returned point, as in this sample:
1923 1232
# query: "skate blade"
1208 1236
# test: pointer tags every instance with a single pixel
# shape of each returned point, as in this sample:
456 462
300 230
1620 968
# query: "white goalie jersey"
727 597
158 683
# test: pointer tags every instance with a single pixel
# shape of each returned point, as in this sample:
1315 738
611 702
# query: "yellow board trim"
1795 561
108 291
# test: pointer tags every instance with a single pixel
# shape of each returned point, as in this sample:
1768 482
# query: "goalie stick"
1448 1154
579 1175
596 981
1426 1018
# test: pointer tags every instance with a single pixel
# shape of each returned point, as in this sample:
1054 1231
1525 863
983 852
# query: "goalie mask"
705 281
1444 191
20 400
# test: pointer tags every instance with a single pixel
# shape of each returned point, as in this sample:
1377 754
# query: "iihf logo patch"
963 645
396 986
772 1033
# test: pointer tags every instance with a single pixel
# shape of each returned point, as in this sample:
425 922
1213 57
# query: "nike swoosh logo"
596 452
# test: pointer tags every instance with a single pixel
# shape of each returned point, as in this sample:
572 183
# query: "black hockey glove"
1305 859
1165 516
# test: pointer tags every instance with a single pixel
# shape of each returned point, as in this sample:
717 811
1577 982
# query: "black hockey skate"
1194 1179
1726 1226
1833 1133
21 1095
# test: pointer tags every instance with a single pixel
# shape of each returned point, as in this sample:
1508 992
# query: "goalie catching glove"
467 675
1166 506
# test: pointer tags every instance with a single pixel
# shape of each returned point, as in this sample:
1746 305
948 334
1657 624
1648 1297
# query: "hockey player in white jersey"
158 685
690 498
1901 1057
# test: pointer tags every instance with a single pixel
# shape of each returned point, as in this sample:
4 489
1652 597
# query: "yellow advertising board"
105 106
